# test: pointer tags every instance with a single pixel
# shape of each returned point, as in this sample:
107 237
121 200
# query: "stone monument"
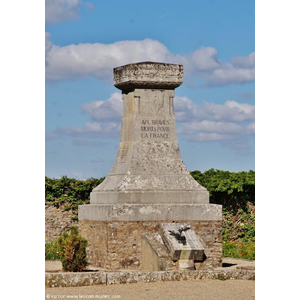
148 184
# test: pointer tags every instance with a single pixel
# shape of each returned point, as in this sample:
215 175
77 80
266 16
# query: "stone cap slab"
193 250
148 75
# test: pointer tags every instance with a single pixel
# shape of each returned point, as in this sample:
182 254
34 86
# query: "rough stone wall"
210 235
57 221
118 245
108 278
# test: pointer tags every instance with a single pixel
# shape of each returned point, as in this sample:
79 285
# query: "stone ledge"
148 75
148 197
150 212
126 277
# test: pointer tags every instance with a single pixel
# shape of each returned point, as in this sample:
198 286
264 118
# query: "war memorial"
149 213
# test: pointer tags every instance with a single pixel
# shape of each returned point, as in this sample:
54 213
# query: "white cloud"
210 131
106 115
110 109
52 136
91 130
88 143
228 74
241 69
187 110
229 134
241 145
203 59
48 43
207 137
210 127
98 60
231 111
59 10
227 123
251 129
244 61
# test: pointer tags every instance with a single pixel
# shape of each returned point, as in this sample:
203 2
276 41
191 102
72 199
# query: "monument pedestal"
116 245
149 183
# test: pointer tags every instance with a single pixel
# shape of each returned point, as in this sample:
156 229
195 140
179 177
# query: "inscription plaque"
155 129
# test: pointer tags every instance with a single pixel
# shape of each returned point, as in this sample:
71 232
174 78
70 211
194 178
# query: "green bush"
69 192
231 189
73 251
235 191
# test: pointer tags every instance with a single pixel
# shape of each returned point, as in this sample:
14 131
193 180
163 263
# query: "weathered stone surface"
150 212
115 245
148 183
126 277
148 167
75 279
148 75
185 264
155 256
57 220
193 250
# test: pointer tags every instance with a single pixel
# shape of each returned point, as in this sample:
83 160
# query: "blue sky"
214 107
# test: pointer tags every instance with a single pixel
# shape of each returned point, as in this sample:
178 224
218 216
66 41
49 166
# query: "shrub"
73 251
52 251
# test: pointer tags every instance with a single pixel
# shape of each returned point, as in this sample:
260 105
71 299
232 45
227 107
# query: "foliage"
239 250
232 190
52 251
238 226
238 233
69 192
73 251
236 193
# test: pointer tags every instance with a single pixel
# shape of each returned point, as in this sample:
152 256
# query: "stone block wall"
117 245
57 220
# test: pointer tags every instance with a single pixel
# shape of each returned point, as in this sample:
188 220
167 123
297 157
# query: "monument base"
115 232
146 197
150 212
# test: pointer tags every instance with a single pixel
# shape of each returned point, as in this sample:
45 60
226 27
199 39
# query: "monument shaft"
148 167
